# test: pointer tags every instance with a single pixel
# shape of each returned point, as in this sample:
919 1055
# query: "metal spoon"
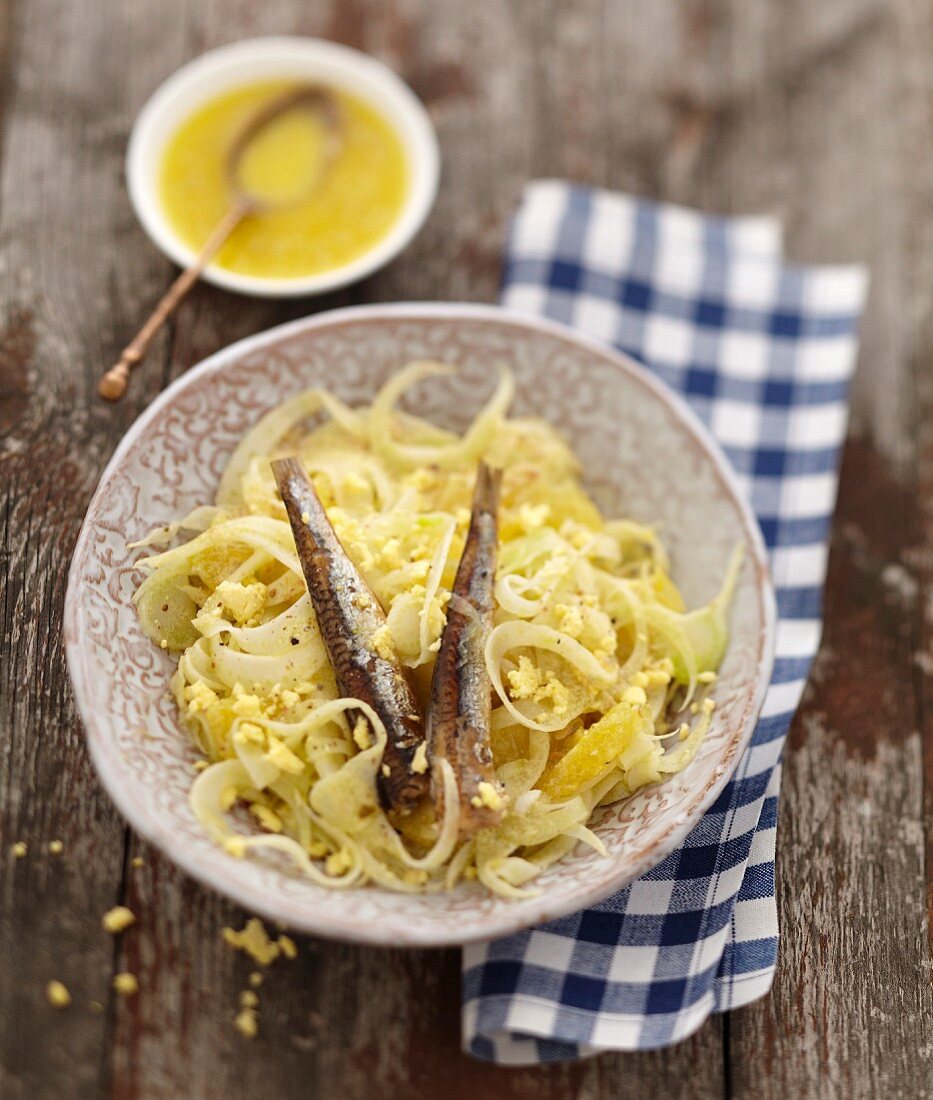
245 204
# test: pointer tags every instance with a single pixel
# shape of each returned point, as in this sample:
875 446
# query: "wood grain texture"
818 112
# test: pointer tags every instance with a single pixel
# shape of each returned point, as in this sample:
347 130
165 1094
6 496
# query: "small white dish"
282 58
644 454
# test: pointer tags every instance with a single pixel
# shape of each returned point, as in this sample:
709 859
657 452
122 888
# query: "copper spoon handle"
113 384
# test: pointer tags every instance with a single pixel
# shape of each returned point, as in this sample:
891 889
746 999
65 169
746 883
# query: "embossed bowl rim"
507 919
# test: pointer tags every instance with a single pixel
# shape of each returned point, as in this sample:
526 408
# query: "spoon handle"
113 384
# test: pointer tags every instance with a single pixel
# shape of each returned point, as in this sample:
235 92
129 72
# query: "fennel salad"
411 657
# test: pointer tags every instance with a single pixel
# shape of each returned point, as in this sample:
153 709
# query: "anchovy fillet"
349 615
461 692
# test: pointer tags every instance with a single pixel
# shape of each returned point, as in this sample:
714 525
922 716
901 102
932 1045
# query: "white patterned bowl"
644 454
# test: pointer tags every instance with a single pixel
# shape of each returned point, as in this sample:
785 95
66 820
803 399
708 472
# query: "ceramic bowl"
282 58
644 455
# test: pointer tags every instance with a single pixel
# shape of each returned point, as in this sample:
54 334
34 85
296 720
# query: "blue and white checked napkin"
764 352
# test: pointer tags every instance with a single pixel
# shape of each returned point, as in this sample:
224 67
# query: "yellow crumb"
227 797
254 940
487 796
386 770
245 704
248 999
18 850
200 697
287 944
163 644
570 619
241 601
636 696
361 734
136 861
267 818
338 863
248 733
125 984
235 846
56 847
283 758
708 677
383 644
362 600
255 979
419 763
305 517
533 516
317 849
245 1021
117 919
201 765
58 995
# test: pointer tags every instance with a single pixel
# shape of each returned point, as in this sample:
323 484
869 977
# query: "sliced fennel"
593 658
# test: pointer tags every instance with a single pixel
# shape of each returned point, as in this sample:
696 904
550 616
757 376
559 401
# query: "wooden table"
819 112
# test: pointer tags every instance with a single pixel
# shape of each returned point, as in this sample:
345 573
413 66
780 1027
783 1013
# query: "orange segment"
623 735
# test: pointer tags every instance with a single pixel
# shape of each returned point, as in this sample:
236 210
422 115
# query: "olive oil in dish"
354 205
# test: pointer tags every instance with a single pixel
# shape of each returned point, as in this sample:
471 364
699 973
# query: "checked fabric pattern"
764 352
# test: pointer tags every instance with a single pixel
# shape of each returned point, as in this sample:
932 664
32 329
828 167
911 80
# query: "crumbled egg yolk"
338 863
18 850
361 734
245 704
419 762
243 602
570 619
383 644
117 919
246 1023
57 995
524 680
487 796
254 940
267 818
200 697
635 695
282 757
533 516
248 733
529 682
56 847
125 984
390 556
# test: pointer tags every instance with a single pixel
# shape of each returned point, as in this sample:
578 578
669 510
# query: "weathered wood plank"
839 103
66 279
